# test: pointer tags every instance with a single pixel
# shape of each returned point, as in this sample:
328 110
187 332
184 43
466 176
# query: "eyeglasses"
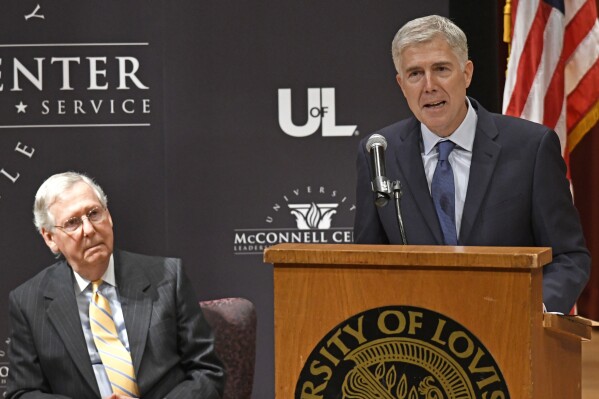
96 215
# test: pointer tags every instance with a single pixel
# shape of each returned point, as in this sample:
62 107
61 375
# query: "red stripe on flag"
583 98
514 8
579 27
554 97
529 60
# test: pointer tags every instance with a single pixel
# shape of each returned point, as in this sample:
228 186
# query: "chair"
233 321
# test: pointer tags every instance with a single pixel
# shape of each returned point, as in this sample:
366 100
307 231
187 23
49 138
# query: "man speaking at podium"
468 176
103 323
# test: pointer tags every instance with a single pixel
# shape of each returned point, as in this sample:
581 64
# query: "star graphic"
21 108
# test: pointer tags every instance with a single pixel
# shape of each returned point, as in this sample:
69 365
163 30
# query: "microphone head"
376 139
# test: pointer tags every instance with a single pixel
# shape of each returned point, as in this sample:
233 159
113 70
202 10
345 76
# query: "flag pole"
507 29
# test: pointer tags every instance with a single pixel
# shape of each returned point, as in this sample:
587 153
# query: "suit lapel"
63 313
136 304
409 161
485 152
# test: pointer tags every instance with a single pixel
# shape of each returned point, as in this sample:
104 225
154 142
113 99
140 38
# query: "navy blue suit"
517 195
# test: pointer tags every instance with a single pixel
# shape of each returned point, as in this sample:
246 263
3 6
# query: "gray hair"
52 189
425 29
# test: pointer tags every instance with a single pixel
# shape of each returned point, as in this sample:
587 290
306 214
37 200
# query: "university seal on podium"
400 352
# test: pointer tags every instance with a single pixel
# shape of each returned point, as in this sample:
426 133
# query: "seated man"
104 323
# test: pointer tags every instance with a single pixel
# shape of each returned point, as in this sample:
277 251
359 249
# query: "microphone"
376 146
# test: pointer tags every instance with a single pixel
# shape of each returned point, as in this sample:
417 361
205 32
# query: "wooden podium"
494 292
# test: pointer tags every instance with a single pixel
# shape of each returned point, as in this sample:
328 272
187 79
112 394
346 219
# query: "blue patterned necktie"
443 193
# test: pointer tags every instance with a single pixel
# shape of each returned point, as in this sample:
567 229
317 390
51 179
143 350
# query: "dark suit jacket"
171 344
517 195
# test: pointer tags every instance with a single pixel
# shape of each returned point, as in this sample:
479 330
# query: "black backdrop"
174 108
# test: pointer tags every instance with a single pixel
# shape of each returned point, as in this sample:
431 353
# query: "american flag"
553 69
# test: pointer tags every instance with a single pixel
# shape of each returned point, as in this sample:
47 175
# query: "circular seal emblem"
400 352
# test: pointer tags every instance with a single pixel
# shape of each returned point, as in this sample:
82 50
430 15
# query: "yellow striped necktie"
115 357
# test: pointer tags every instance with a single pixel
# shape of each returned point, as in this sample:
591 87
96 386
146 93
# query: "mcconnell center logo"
400 352
72 82
312 214
59 83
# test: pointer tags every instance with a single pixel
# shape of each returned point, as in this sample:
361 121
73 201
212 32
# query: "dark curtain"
584 167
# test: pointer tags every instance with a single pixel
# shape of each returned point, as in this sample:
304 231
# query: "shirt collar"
108 277
463 136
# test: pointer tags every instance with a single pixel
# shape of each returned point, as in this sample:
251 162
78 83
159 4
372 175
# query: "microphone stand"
383 187
397 195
